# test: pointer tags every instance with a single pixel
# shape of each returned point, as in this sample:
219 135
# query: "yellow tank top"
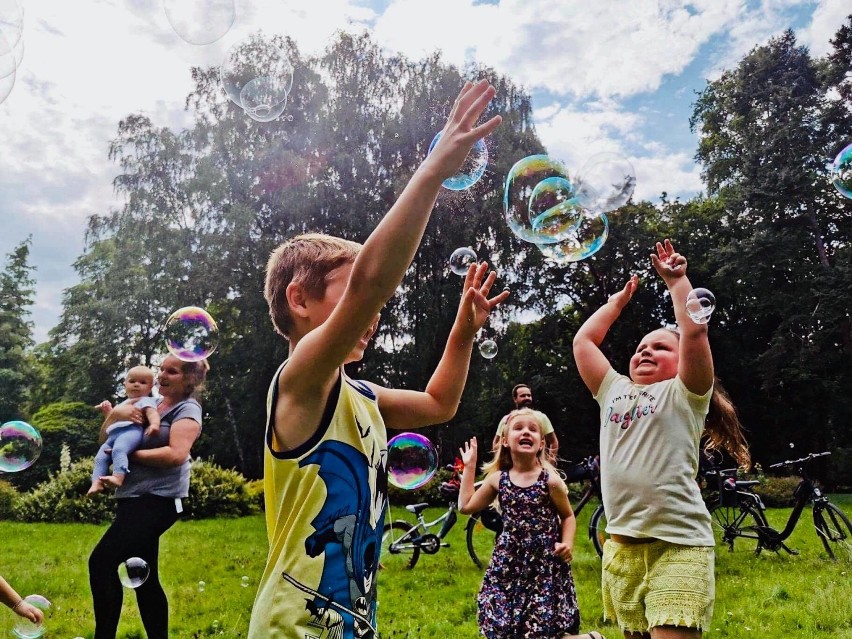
325 508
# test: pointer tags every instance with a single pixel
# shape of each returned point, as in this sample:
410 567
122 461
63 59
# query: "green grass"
770 596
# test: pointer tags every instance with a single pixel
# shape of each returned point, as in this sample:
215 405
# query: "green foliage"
72 423
777 492
840 469
218 492
8 497
62 499
254 488
17 288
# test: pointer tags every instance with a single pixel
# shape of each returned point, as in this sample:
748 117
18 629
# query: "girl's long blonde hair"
502 459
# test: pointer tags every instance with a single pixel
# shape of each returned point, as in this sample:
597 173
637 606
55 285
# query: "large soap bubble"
200 21
134 572
11 40
253 58
472 169
20 446
700 304
264 99
605 182
26 629
521 183
412 461
583 240
841 172
191 334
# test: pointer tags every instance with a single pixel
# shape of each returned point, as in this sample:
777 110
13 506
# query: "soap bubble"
8 68
133 572
252 58
841 172
605 182
264 99
584 240
191 334
244 582
11 42
201 586
26 629
471 170
521 183
461 259
200 21
20 446
700 304
412 460
488 348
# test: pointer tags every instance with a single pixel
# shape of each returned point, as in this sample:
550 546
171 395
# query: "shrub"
840 469
62 499
218 492
777 492
8 497
255 491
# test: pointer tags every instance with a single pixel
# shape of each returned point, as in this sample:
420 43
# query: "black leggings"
135 532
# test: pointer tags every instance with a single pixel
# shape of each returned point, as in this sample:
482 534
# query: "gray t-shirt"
153 480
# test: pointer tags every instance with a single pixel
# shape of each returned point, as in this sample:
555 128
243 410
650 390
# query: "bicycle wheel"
481 536
835 531
597 529
731 522
398 551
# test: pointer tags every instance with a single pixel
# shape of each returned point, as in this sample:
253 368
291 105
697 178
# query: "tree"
16 295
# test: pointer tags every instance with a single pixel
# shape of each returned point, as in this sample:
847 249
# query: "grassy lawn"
770 596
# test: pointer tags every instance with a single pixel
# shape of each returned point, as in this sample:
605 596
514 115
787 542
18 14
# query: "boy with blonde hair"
325 474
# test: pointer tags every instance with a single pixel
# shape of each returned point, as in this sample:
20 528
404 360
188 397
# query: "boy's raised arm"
592 364
390 249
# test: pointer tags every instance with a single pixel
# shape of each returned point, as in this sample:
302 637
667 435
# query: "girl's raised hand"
475 305
468 453
669 264
623 296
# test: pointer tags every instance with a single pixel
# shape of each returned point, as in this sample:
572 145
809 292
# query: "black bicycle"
738 513
483 528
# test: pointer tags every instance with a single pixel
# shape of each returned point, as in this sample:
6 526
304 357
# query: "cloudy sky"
609 75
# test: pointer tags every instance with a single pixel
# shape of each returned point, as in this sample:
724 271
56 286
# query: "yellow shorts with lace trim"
658 584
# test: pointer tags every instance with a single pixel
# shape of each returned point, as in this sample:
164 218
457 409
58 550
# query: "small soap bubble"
255 57
133 572
191 334
263 99
488 348
201 586
412 460
792 445
584 240
244 582
200 21
461 259
700 304
26 629
471 170
841 172
521 183
605 182
20 446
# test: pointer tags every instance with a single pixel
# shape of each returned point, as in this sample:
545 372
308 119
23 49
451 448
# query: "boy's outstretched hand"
669 264
475 306
460 134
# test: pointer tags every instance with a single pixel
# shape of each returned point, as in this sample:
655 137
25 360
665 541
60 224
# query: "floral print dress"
527 592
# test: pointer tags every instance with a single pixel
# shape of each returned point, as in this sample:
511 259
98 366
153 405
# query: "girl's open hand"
468 453
669 264
563 551
475 305
624 296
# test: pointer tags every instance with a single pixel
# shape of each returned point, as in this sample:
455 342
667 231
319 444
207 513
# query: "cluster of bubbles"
841 172
566 219
26 629
412 461
700 304
471 170
257 76
11 44
20 446
191 334
200 22
133 572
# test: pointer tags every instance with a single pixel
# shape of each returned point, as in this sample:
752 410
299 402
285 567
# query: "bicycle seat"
747 482
417 508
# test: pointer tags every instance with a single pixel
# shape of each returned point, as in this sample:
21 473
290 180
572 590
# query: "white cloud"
828 17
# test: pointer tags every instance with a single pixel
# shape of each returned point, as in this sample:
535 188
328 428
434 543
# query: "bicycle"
402 541
738 512
483 528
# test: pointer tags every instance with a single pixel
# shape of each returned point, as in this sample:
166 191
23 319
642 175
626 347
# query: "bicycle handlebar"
802 460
